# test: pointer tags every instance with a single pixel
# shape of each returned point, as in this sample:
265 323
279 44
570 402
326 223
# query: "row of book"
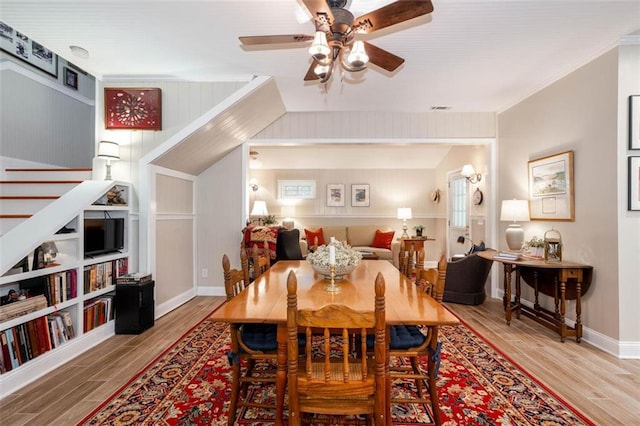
102 275
62 286
98 311
33 338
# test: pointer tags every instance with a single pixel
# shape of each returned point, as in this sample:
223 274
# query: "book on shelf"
22 307
135 277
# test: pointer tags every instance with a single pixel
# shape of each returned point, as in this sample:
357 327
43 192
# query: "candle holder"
332 287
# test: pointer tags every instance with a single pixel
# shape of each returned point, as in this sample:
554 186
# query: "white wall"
580 112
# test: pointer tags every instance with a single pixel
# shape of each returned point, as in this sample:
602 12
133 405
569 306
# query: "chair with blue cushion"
250 343
409 343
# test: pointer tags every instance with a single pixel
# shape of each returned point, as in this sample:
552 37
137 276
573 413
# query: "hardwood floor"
601 386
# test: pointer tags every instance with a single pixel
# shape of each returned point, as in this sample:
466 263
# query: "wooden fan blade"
275 39
311 75
391 14
320 11
382 58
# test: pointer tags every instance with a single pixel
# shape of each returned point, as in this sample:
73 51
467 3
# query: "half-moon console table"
561 280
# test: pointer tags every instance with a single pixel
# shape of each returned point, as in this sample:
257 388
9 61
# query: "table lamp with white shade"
109 151
515 211
260 210
287 213
404 213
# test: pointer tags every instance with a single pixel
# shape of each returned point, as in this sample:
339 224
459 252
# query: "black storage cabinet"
135 307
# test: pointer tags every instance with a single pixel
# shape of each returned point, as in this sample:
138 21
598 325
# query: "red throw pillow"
383 239
311 235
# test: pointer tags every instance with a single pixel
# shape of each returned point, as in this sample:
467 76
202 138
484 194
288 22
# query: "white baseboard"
173 303
210 291
622 350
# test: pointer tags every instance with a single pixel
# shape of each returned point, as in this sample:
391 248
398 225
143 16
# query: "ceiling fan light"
321 70
320 49
358 57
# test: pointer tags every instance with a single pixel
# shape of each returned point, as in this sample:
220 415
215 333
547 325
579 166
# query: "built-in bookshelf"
62 302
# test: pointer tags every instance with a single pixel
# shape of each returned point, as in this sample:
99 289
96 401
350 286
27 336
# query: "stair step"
10 221
41 189
47 174
28 197
22 205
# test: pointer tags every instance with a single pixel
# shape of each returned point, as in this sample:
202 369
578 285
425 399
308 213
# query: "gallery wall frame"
634 122
634 184
335 195
70 78
360 195
30 51
133 108
551 187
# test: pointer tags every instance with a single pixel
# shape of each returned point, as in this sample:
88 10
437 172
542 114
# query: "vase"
340 271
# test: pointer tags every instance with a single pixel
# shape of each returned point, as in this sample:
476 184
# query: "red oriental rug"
189 384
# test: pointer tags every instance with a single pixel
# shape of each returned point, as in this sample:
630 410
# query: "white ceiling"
469 55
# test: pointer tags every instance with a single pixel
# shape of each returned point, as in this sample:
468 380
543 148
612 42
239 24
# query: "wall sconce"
471 175
404 213
109 151
516 211
253 184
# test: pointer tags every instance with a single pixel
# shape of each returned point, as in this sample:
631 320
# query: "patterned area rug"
189 384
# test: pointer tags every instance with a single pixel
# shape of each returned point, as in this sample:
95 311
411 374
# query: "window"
459 202
296 189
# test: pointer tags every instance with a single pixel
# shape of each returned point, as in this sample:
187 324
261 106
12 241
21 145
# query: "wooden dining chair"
260 259
250 343
409 343
332 377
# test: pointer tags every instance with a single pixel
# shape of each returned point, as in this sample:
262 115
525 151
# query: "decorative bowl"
340 271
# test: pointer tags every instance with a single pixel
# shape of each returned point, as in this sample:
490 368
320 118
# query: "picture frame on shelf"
634 122
360 195
30 51
133 108
634 184
551 187
70 78
335 195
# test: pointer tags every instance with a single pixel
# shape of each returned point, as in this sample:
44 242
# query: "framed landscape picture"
551 187
360 195
133 108
30 51
634 183
335 195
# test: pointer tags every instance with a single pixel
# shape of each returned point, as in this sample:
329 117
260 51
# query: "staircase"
25 191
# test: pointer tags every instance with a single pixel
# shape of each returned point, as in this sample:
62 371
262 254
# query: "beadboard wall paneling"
221 192
380 125
174 236
174 195
39 123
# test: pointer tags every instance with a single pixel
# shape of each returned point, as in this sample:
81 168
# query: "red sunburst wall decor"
133 108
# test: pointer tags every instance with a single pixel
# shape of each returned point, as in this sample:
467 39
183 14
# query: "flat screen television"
102 236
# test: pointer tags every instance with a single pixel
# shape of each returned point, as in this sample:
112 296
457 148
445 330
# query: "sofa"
360 237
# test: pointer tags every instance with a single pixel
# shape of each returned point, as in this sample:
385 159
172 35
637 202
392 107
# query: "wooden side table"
417 243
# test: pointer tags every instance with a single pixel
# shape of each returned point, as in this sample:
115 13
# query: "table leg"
563 308
281 374
578 312
517 297
507 291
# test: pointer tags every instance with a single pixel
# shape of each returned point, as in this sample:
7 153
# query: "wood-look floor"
603 387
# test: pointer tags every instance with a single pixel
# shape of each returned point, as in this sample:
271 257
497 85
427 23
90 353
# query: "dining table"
265 301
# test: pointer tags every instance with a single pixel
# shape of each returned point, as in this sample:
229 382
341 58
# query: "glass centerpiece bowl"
347 259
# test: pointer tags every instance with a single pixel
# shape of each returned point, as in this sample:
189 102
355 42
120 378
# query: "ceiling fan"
335 37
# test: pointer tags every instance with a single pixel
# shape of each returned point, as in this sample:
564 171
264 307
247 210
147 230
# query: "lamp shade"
259 208
467 170
404 213
109 150
515 211
288 211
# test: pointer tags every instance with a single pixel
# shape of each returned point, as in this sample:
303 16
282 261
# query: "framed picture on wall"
551 187
335 195
27 50
634 122
360 195
70 78
133 108
634 183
